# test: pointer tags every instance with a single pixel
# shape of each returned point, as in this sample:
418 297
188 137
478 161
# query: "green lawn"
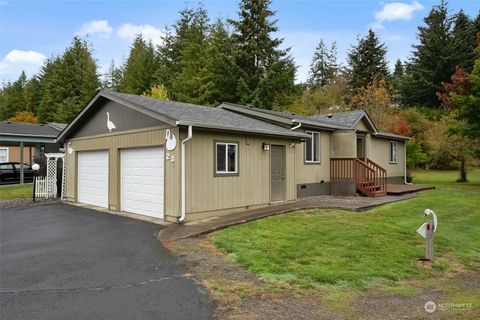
380 246
16 191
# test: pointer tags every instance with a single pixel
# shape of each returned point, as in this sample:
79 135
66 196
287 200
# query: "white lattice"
52 177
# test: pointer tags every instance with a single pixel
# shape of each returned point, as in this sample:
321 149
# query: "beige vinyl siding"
363 125
313 173
114 142
379 152
206 192
343 144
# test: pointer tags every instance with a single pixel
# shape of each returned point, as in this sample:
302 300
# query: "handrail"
368 176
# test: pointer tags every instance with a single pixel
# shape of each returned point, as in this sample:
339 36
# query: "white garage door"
142 181
93 178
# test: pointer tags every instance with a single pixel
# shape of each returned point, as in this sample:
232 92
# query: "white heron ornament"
110 124
171 140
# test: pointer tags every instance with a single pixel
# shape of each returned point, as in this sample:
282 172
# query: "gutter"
181 219
297 126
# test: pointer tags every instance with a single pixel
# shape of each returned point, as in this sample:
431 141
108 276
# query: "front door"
360 146
278 173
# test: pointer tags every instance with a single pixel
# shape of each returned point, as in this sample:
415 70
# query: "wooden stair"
370 178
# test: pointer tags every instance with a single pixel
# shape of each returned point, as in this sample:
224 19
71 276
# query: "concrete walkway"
198 228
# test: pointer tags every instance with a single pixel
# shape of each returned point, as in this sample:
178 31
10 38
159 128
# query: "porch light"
266 146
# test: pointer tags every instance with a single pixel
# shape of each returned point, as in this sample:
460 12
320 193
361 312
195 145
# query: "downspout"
181 219
405 162
296 127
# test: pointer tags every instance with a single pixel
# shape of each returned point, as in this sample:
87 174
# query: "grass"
345 249
16 191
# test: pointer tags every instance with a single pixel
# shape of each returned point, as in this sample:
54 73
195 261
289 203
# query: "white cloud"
128 32
28 57
96 27
17 60
376 26
398 11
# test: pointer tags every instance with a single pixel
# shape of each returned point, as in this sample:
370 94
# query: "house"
21 142
177 161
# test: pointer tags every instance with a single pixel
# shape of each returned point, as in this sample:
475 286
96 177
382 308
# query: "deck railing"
369 177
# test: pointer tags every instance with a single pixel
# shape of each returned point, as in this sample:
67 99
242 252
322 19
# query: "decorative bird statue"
171 140
428 212
69 148
110 124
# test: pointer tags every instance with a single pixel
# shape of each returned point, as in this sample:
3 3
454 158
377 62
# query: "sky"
31 31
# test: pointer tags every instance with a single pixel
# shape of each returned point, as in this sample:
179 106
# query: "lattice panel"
52 178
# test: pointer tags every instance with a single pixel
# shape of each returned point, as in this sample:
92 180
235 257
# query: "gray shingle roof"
206 117
340 120
27 129
346 119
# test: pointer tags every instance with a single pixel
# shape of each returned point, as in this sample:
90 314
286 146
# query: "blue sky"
32 30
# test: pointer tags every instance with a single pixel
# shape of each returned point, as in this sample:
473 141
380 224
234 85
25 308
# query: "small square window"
226 158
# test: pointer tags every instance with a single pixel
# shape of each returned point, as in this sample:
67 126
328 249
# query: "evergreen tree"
433 59
221 69
13 97
140 68
398 70
68 83
324 65
113 77
192 58
367 61
464 35
266 73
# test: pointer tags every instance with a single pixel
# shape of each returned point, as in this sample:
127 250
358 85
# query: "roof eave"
391 136
247 131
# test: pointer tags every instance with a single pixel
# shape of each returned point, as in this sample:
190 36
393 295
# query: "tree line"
241 61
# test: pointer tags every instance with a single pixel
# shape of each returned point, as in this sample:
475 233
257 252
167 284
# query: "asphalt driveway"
64 262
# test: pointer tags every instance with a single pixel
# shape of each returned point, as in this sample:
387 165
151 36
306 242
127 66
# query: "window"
393 152
226 158
3 154
312 147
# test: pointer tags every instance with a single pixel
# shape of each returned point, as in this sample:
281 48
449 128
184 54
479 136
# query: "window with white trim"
312 147
3 154
393 152
226 158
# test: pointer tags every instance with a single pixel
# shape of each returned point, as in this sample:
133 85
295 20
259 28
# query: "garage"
142 181
93 178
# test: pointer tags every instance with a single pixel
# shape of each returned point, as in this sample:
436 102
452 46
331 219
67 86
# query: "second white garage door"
142 181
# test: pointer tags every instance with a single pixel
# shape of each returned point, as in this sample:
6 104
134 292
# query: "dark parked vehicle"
10 172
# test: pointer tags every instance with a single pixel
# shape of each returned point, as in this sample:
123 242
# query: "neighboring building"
35 138
172 160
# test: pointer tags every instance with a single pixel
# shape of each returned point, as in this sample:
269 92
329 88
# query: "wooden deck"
399 189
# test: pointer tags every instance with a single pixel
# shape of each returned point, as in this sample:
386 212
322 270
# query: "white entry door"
142 181
93 178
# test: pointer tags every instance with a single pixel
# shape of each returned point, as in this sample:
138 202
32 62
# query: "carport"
39 137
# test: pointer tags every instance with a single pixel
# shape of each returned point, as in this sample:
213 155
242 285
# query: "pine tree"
324 65
398 70
220 67
68 83
464 40
192 58
139 71
113 77
13 97
266 73
433 59
367 61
